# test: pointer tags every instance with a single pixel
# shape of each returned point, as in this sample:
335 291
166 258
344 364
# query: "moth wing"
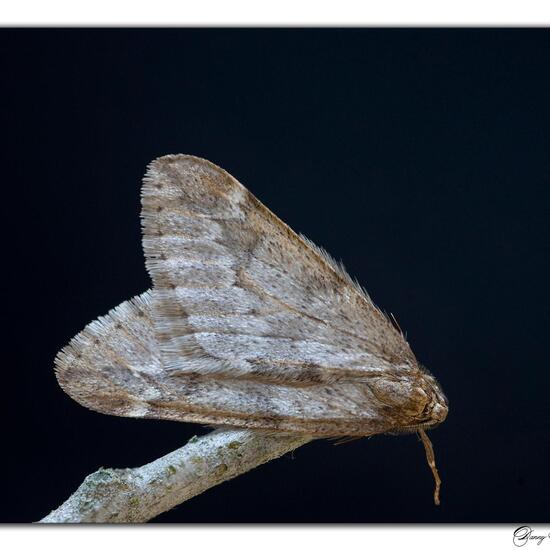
114 366
238 293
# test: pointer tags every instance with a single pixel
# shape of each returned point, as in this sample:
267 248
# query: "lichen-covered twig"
136 495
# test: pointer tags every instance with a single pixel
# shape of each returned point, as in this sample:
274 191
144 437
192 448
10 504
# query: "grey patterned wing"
238 293
243 302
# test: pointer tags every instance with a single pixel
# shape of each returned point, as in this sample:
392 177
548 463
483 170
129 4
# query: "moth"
248 324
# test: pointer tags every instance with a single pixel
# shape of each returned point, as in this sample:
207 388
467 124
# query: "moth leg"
340 440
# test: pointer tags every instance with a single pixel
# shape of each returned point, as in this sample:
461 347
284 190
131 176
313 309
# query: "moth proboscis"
430 456
248 324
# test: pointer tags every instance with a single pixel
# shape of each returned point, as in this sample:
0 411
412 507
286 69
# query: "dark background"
420 157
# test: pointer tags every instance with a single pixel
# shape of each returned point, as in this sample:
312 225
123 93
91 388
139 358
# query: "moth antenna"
431 461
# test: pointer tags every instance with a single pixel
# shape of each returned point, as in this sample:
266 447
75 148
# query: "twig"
136 495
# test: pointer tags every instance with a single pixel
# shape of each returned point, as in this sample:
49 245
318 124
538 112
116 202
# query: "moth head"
413 402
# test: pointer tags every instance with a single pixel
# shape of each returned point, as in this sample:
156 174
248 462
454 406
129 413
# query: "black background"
420 157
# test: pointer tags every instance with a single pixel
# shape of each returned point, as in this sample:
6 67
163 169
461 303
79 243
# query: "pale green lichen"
234 445
102 475
133 502
105 477
171 470
194 439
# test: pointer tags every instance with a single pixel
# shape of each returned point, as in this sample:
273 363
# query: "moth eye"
426 410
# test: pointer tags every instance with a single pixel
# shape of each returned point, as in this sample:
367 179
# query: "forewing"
238 294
